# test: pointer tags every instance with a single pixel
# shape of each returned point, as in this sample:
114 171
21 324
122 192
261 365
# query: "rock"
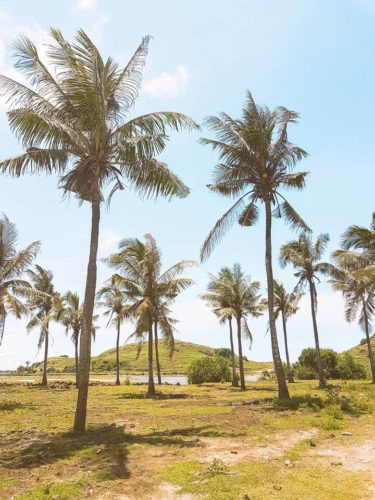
99 450
288 463
234 452
276 487
346 433
336 462
312 443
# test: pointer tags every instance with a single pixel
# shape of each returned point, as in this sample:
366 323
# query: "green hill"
360 353
184 354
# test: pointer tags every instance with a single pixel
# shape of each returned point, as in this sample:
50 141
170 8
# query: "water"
138 379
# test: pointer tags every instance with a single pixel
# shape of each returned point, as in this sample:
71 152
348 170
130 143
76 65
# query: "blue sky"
313 56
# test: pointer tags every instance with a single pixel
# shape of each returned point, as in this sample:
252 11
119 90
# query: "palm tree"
256 161
71 318
218 299
13 265
74 121
167 328
285 304
356 262
146 287
243 298
305 255
115 302
43 302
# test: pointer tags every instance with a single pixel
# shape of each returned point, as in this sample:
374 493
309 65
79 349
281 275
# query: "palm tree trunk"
157 352
368 340
282 387
44 379
240 361
88 308
117 354
290 374
234 374
151 384
76 358
322 381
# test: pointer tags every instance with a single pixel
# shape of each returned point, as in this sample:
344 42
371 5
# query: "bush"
209 369
349 369
224 352
334 367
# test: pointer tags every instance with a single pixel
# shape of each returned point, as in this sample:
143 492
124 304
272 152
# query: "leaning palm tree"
43 302
113 299
256 161
13 265
74 120
219 301
286 304
305 256
145 286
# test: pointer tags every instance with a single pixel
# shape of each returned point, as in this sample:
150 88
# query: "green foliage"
334 366
209 369
224 352
347 368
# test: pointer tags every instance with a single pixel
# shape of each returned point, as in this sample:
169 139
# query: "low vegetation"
211 440
130 363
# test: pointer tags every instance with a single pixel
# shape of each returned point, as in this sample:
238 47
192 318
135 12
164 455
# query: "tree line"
74 120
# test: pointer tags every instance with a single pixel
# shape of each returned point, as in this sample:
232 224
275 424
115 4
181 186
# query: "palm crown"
140 277
73 120
305 255
13 265
256 162
284 302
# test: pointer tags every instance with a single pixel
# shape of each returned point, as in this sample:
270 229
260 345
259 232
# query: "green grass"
184 354
134 445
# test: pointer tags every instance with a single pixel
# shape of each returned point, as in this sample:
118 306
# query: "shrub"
224 352
349 369
209 369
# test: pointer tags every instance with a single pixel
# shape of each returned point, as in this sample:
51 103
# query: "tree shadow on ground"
9 405
104 448
158 396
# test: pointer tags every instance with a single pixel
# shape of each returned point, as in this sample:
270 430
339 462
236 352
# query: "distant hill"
360 353
184 354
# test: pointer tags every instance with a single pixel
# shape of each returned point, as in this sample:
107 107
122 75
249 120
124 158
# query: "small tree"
286 304
305 255
209 369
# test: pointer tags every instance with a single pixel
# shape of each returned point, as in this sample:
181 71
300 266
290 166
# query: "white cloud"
168 84
86 4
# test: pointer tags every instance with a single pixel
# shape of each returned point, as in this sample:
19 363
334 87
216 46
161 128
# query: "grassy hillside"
184 354
360 354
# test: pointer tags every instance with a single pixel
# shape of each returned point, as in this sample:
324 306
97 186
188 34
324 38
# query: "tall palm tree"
218 299
256 161
114 300
13 265
43 302
305 255
75 121
286 304
140 277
